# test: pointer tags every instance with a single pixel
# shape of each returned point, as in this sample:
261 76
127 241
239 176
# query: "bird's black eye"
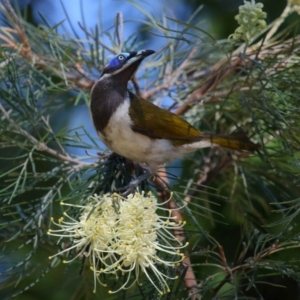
121 57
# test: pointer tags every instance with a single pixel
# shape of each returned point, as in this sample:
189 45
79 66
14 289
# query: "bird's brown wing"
155 122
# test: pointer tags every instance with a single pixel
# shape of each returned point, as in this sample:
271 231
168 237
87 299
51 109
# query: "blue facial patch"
118 60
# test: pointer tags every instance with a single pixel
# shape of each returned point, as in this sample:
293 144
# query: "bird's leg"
130 188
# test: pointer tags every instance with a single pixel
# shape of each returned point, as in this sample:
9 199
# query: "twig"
217 75
254 261
178 71
120 30
169 80
136 86
288 9
190 280
210 172
96 40
42 146
227 66
26 50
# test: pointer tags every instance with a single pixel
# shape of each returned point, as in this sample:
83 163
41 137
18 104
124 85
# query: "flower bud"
251 20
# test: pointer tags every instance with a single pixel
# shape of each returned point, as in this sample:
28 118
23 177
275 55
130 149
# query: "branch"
251 262
288 10
210 171
190 280
96 39
42 146
119 30
227 66
12 16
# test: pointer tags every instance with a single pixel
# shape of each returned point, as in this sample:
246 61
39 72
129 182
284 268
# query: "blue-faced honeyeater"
141 131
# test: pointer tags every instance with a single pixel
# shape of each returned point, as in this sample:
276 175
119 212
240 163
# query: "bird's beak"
133 62
144 53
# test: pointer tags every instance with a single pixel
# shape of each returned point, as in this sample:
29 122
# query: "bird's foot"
131 187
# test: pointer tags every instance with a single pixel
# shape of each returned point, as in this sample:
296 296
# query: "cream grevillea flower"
251 19
124 237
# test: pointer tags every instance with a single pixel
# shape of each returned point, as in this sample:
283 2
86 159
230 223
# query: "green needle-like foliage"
241 210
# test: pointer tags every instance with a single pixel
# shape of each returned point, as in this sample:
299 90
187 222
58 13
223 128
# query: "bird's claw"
129 188
133 184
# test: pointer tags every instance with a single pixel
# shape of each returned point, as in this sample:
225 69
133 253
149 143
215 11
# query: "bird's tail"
236 141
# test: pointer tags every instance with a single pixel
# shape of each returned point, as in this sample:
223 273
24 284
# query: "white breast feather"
120 138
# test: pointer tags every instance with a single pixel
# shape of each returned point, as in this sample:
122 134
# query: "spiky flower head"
251 19
124 237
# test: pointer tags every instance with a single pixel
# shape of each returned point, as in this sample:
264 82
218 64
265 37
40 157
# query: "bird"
141 131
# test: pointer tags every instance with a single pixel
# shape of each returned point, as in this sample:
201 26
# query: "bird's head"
125 64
